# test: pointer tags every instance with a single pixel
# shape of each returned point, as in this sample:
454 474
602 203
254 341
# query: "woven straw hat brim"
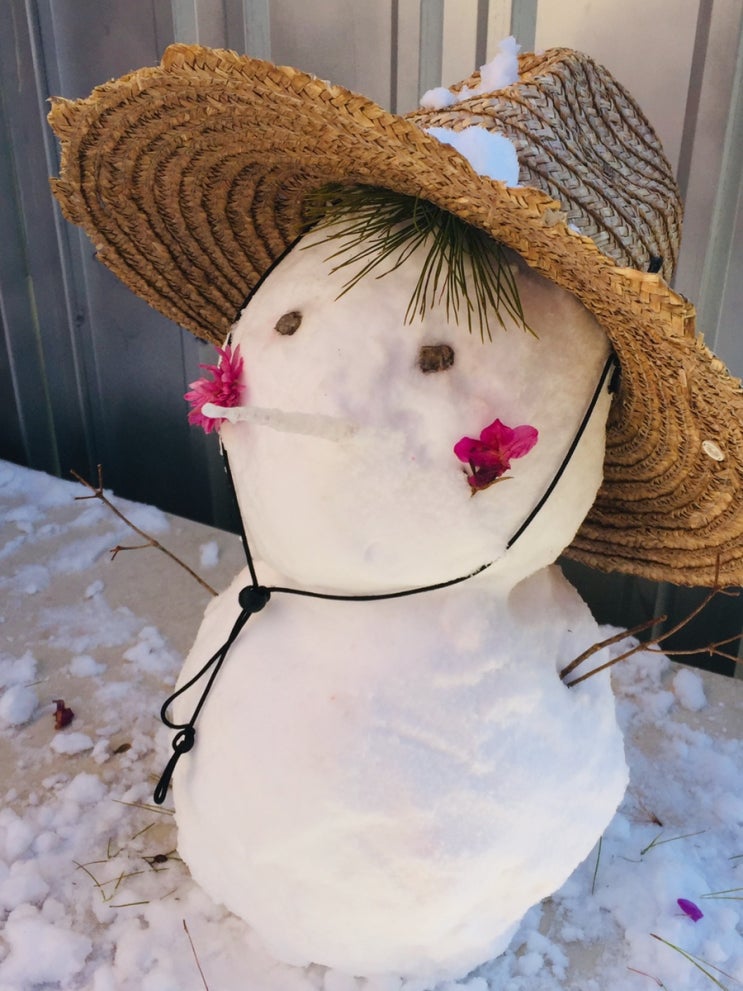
190 178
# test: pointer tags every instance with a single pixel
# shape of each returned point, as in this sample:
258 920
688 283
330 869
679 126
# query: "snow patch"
501 71
17 671
490 154
41 952
152 653
689 690
689 778
209 554
17 704
71 743
85 666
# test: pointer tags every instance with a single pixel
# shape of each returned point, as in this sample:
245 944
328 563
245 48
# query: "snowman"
376 763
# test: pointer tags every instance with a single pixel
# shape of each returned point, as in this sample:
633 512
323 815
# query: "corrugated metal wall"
89 374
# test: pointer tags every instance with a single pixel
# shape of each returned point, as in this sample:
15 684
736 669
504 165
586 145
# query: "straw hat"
190 179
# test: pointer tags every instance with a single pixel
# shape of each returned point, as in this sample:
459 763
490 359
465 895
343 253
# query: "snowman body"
387 786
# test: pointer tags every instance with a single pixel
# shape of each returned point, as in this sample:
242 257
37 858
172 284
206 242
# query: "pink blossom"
224 389
689 908
490 456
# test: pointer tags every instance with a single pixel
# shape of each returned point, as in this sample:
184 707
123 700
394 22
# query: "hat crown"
581 138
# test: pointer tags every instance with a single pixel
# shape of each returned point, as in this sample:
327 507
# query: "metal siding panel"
249 27
408 55
459 50
524 22
132 357
345 43
50 395
481 32
431 44
706 153
722 264
13 445
729 341
200 22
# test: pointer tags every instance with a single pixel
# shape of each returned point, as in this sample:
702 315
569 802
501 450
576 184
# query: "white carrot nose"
310 424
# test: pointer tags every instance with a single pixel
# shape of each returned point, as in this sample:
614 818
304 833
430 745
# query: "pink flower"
490 456
224 389
689 908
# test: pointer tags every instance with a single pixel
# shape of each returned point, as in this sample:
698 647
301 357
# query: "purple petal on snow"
689 908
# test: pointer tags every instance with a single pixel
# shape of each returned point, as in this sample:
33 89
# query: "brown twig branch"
616 638
98 493
654 645
195 955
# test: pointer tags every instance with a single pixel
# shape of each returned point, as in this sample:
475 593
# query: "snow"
122 930
401 454
419 778
17 705
84 666
415 762
501 71
209 554
71 743
490 154
689 690
438 98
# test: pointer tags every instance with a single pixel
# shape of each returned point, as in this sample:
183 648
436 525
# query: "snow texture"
120 927
501 71
17 704
209 554
490 154
435 761
388 506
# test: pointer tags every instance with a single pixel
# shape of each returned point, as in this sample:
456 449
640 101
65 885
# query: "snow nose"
321 425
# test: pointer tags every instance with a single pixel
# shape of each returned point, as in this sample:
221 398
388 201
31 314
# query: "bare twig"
195 955
654 645
98 493
643 973
616 638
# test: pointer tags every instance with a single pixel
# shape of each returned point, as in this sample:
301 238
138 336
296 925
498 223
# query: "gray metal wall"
90 374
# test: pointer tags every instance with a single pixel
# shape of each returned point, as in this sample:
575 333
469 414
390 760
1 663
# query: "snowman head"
192 179
375 454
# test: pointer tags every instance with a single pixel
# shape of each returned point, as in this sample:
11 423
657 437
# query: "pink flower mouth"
490 457
225 388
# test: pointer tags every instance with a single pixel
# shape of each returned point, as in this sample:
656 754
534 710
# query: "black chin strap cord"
255 596
252 599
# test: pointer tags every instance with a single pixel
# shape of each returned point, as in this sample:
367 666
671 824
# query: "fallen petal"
689 908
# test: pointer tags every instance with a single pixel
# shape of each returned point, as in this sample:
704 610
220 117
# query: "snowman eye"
289 323
435 357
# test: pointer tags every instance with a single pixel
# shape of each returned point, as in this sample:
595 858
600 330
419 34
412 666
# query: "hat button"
713 450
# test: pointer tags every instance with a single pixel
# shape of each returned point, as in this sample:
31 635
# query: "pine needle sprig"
379 230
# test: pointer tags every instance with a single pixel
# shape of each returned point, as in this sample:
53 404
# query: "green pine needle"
379 227
698 962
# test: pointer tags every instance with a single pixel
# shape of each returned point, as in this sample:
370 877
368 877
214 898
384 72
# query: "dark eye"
289 323
435 357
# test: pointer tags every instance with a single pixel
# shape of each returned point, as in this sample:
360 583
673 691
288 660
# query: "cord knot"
182 742
253 598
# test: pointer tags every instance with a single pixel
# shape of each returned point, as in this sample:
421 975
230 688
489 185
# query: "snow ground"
92 894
